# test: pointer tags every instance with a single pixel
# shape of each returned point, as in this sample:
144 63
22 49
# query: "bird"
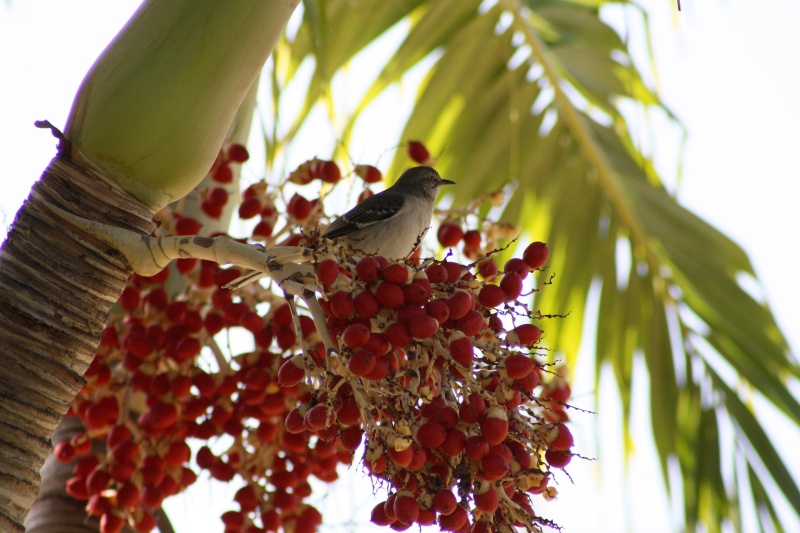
390 223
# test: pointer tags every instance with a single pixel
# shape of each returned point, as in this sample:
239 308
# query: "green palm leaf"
528 94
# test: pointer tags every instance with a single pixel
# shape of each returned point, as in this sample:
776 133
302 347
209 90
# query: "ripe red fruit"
187 226
262 230
401 458
299 207
517 366
476 447
361 363
494 466
418 152
461 350
516 265
460 303
406 508
394 273
454 442
237 153
491 296
249 208
390 295
472 409
130 299
366 305
494 425
320 417
455 520
327 272
342 305
145 524
356 335
292 372
511 285
472 239
379 516
431 434
368 173
76 487
487 267
471 323
535 255
486 498
560 438
129 497
557 458
423 326
449 234
111 523
222 174
439 310
524 335
64 452
217 197
436 273
444 502
367 269
330 173
398 335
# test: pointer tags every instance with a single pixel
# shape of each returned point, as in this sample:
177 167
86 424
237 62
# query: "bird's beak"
447 182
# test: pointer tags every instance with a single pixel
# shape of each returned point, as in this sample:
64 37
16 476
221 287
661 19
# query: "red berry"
366 305
292 371
237 153
418 152
330 172
439 310
494 425
217 197
249 208
64 452
560 438
449 234
406 508
423 326
390 295
436 273
368 173
398 335
511 285
486 498
472 239
491 296
460 303
431 434
356 335
327 272
535 255
299 207
394 273
342 305
222 174
187 226
262 230
444 502
461 350
518 366
367 269
557 458
361 363
524 335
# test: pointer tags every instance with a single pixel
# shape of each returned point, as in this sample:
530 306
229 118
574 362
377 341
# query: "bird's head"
424 181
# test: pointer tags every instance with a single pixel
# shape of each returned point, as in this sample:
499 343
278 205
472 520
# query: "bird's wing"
375 209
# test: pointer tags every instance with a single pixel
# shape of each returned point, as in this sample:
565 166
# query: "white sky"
729 71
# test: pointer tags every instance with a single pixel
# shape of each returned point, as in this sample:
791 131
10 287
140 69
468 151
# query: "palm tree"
542 80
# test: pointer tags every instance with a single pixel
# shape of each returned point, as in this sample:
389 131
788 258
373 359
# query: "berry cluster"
436 374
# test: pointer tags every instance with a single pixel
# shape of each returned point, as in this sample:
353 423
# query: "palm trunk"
57 287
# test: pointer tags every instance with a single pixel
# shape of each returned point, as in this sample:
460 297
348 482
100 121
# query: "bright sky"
727 69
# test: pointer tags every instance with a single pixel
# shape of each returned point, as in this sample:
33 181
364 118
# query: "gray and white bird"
390 223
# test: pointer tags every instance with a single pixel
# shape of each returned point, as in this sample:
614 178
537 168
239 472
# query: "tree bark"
57 286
